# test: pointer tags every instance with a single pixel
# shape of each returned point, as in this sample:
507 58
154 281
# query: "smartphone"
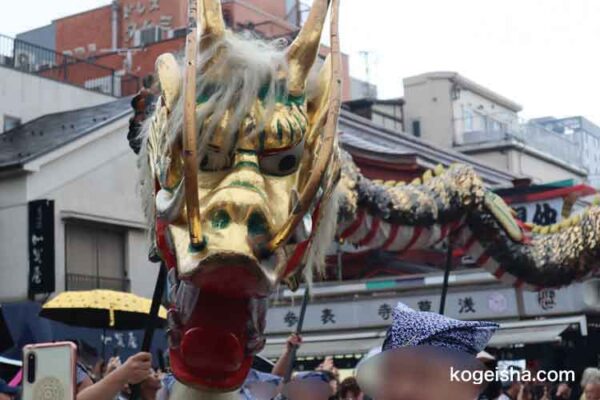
49 371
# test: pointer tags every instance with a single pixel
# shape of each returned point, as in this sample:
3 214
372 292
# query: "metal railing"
567 148
33 59
89 282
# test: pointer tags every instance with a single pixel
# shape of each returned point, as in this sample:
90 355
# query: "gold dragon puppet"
245 187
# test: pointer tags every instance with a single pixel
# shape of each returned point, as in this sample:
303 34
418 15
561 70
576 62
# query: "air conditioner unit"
177 33
24 59
147 36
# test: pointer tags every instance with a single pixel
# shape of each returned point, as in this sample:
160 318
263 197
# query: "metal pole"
65 63
112 83
340 270
446 276
290 368
152 321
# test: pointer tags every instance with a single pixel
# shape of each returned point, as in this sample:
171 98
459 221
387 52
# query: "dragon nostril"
257 224
220 219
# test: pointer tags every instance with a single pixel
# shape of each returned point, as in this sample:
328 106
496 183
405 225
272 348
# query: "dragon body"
398 217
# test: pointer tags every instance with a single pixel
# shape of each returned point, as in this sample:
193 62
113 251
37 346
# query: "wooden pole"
190 131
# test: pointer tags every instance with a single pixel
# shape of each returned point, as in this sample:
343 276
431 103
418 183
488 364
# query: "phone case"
49 371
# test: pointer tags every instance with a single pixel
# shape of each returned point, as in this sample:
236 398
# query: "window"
146 36
468 120
496 126
416 128
95 257
11 123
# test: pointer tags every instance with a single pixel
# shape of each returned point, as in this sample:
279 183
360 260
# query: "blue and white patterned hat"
419 328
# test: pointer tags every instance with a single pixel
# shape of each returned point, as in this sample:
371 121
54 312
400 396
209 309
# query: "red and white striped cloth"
369 233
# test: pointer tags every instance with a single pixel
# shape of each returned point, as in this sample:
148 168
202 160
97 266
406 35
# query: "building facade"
585 134
127 36
78 163
450 110
24 97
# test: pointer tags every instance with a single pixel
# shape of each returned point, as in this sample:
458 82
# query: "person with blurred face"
331 373
260 386
591 390
150 387
312 385
426 356
349 390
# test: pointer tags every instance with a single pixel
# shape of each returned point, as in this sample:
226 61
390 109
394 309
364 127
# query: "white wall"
27 96
94 178
523 164
13 237
428 101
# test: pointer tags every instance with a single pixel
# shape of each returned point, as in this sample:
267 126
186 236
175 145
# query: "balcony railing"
90 282
567 148
33 59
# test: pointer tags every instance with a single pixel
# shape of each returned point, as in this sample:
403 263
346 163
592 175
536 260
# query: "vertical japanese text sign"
41 247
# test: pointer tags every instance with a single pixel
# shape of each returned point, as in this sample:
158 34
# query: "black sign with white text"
41 247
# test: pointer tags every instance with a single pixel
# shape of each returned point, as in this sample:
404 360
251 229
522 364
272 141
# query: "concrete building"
448 102
25 96
450 110
80 162
126 36
387 113
585 134
44 36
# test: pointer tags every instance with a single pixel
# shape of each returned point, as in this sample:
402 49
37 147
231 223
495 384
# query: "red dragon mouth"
216 323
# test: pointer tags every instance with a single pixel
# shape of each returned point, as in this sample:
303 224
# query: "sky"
543 54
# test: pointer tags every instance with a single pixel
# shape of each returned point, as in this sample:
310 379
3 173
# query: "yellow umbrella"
105 309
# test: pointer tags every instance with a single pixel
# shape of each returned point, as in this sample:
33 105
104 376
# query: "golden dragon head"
240 163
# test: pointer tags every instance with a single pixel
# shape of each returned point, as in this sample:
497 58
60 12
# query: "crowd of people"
413 364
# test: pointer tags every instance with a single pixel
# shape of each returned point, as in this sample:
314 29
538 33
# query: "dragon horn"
303 51
190 156
212 24
326 148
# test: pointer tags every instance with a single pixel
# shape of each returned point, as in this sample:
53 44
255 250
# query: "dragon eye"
282 162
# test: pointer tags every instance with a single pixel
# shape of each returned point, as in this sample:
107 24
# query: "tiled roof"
49 132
